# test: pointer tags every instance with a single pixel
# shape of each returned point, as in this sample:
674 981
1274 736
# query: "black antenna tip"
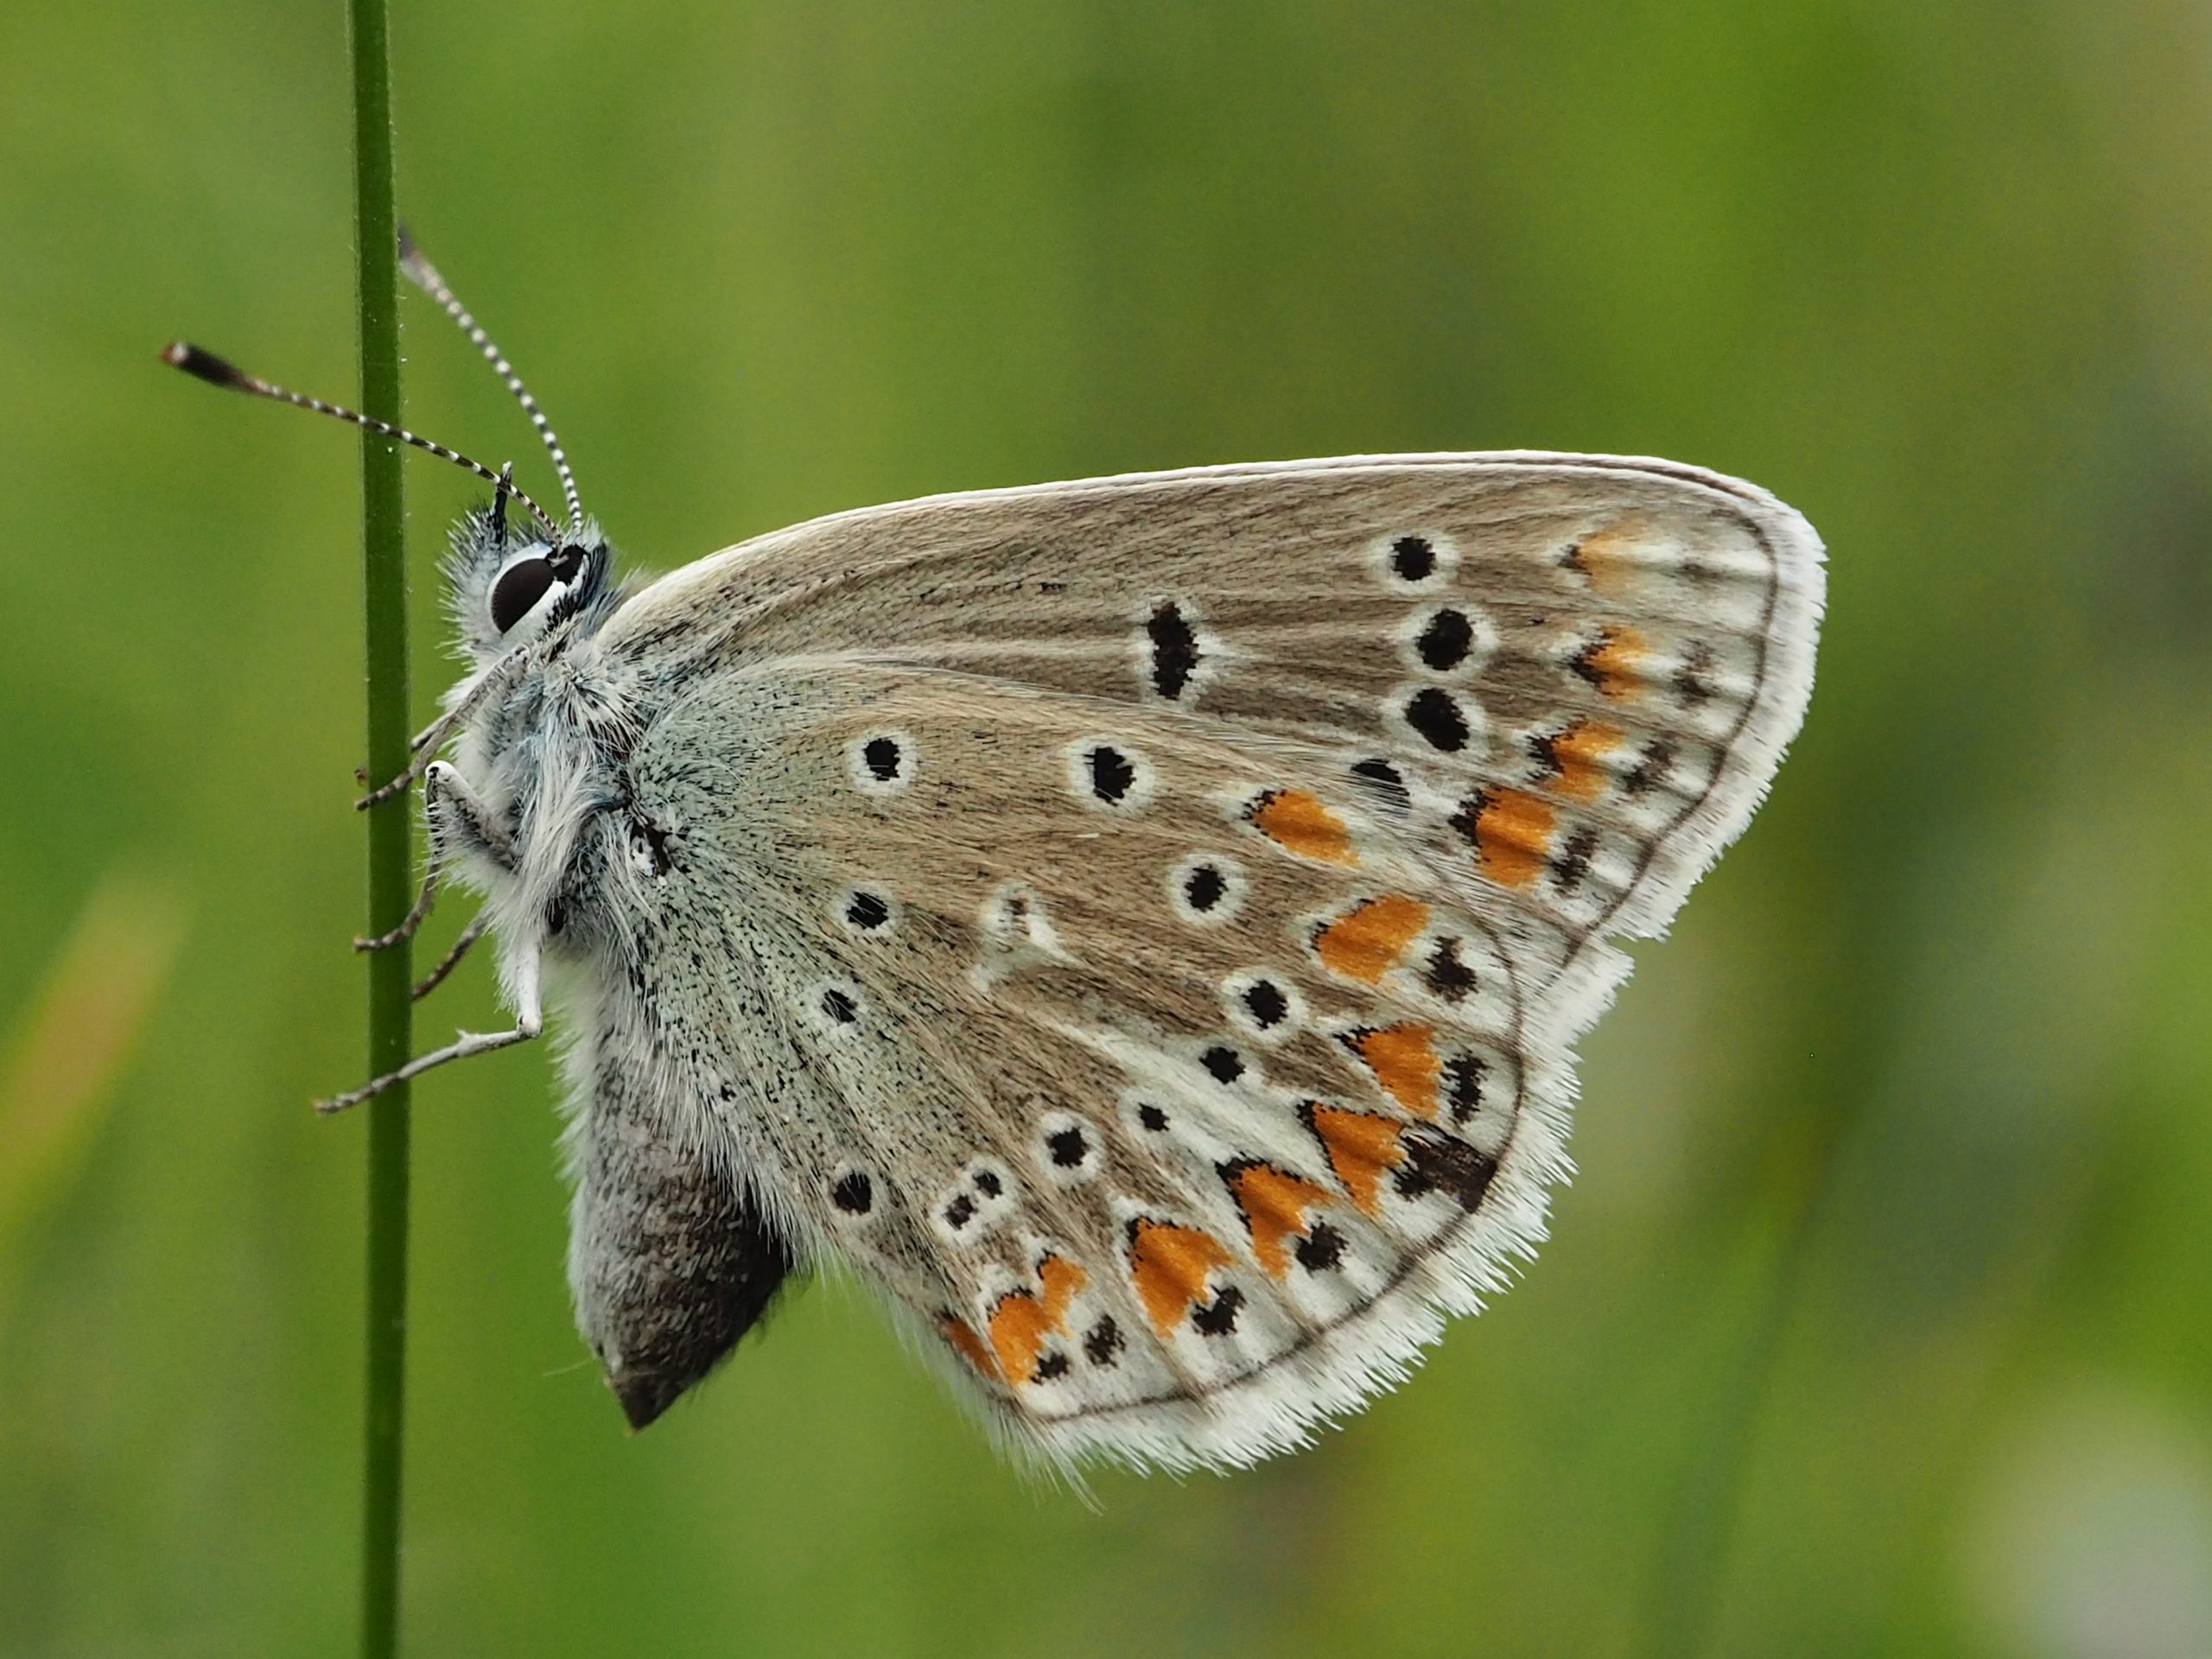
205 366
406 243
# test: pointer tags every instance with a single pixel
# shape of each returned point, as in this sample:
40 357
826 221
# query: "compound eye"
520 586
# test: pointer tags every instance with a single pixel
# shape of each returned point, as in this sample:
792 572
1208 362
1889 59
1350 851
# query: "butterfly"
1139 927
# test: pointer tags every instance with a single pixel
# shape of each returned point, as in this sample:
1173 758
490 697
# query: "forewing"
1141 923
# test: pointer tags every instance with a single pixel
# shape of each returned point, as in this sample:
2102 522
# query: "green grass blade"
391 1025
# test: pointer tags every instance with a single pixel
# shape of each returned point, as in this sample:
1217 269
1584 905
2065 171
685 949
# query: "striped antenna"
424 274
206 365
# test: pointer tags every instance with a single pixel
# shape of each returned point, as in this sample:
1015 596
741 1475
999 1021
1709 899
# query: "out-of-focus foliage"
1877 1318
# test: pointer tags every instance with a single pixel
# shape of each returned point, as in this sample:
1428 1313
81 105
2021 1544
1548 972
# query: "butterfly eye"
520 586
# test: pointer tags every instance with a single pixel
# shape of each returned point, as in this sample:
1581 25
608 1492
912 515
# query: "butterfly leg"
458 823
412 921
461 826
530 1021
451 960
422 744
426 742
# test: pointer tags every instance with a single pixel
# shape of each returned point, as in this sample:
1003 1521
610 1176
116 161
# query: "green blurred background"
1877 1320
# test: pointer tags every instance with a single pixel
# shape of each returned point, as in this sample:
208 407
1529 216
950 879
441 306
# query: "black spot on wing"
1543 749
1174 650
1572 862
1204 888
1412 558
1265 1001
1463 1085
1445 642
1321 1248
1111 774
1102 1343
1436 1162
1435 713
1693 681
1448 976
854 1193
1650 769
881 756
1382 779
1219 1317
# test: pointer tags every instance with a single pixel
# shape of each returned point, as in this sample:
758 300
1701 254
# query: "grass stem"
391 875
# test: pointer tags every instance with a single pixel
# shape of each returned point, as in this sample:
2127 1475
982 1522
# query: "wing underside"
1140 926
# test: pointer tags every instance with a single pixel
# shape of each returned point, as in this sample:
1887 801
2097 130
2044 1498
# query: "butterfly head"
510 584
506 590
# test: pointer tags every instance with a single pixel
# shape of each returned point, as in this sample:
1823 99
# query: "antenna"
424 274
206 365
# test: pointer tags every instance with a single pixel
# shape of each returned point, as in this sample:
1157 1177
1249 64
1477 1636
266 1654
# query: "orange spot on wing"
968 1345
1274 1203
1512 832
1299 823
1580 752
1360 1147
1366 943
1612 663
1170 1265
1607 558
1404 1061
1023 1319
